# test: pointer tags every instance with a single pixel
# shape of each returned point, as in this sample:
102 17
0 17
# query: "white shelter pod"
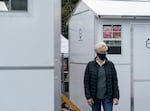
125 27
29 59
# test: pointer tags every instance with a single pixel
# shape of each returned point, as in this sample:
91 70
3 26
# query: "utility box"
125 27
29 59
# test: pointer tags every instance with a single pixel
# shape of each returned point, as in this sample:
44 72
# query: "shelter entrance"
140 66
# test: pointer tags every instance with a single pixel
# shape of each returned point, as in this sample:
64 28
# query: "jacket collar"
106 60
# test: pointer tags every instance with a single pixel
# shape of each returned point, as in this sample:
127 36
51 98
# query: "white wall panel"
27 90
27 38
27 52
124 81
141 53
141 96
81 35
77 87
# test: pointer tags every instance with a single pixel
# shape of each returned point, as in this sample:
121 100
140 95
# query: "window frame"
9 7
108 37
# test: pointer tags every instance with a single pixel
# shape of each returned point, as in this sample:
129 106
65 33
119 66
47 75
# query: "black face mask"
101 56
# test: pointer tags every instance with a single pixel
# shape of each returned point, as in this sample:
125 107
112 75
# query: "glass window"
114 47
112 37
13 5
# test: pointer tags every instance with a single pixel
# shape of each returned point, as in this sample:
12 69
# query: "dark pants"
106 103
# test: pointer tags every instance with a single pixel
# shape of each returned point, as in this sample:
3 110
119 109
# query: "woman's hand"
90 102
115 101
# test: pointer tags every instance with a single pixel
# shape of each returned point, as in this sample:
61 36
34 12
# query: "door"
141 66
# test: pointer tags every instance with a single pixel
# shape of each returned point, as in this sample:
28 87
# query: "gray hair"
100 45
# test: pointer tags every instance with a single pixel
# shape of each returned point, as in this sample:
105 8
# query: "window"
13 5
114 47
112 37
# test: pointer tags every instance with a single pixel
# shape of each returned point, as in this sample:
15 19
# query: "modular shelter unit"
125 27
30 55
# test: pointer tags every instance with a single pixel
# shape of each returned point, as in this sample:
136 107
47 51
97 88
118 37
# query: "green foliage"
67 9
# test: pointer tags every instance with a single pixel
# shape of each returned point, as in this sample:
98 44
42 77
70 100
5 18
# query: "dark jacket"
91 76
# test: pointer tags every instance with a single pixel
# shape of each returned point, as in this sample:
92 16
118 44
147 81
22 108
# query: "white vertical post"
57 76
